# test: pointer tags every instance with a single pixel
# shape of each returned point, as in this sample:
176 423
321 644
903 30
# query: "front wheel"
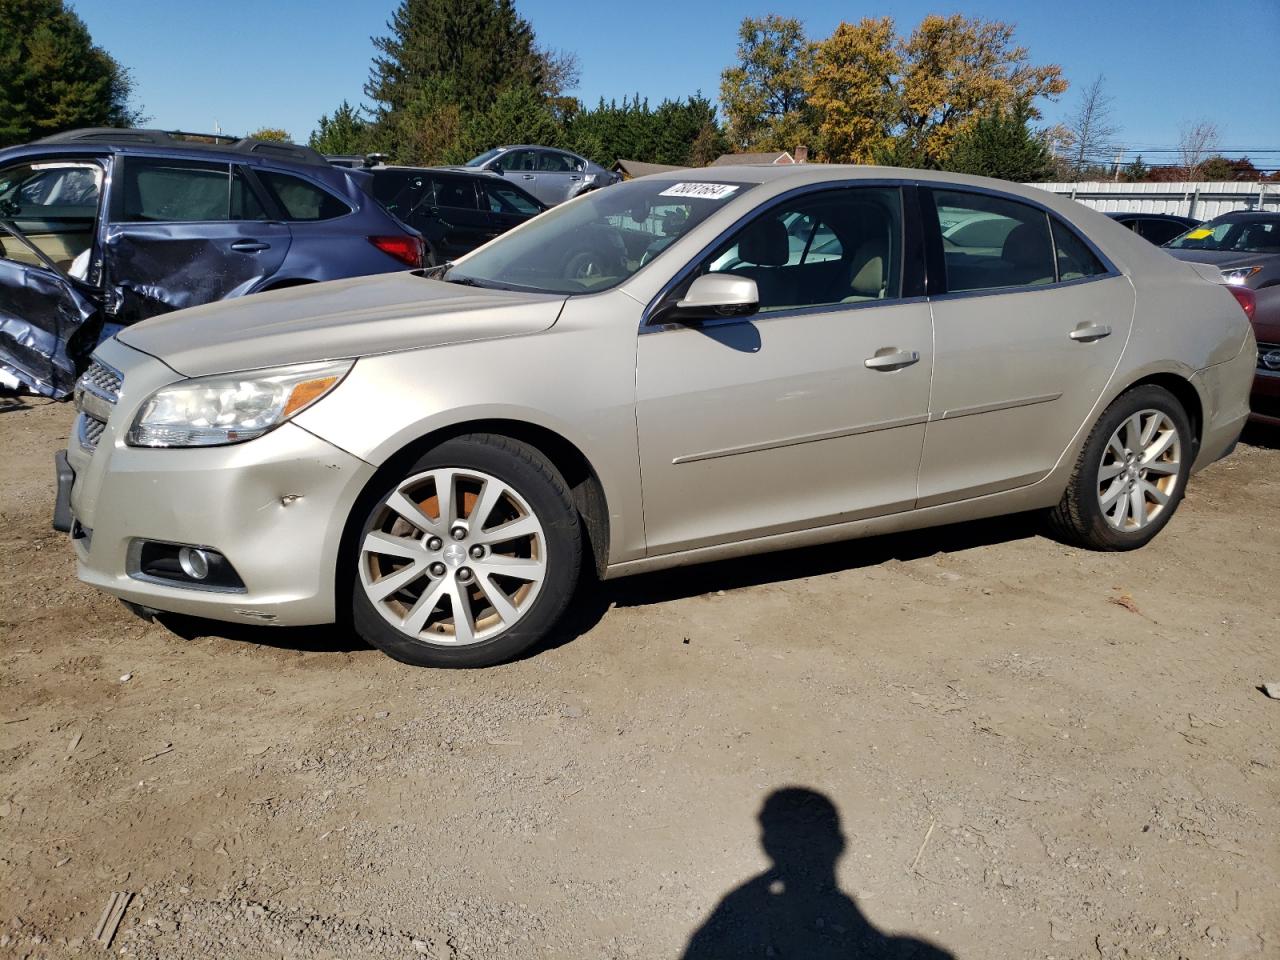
469 557
1131 474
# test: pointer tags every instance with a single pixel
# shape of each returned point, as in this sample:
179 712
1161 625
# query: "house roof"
637 168
752 159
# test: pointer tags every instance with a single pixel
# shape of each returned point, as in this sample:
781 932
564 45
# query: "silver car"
551 175
680 368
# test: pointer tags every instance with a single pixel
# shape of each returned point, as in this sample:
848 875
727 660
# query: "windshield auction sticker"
707 191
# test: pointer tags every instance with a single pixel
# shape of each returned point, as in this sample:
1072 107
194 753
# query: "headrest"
765 244
1027 245
868 265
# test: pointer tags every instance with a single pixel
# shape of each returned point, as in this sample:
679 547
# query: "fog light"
182 565
194 563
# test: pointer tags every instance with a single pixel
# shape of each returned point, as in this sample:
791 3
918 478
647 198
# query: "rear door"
559 174
186 232
1160 232
464 224
508 206
1027 333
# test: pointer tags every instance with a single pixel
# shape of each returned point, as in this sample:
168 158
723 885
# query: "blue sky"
285 62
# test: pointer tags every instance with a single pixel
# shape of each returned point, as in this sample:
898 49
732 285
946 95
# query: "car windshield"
1232 234
597 241
484 158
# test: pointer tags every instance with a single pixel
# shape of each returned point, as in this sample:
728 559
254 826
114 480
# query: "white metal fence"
1203 200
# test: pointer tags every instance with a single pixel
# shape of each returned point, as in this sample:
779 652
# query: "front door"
521 167
44 317
49 313
183 233
1027 335
811 412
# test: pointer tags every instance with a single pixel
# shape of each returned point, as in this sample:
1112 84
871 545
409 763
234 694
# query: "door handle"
527 176
1088 332
575 177
890 359
249 246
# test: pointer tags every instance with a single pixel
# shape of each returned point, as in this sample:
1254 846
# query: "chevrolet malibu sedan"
681 368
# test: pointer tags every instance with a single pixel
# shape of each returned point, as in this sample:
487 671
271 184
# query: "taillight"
1247 298
406 249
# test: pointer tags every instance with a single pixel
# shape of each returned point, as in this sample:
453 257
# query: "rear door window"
1160 232
301 199
173 191
456 192
245 203
1075 260
993 243
504 198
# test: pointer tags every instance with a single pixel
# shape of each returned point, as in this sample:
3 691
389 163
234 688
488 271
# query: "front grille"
1269 357
89 431
97 391
103 381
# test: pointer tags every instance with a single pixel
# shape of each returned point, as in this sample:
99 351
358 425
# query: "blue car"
101 228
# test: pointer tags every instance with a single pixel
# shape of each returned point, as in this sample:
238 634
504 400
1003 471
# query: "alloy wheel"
453 556
1140 470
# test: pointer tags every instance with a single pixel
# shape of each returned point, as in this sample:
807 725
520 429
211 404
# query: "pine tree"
53 77
1001 144
344 133
479 46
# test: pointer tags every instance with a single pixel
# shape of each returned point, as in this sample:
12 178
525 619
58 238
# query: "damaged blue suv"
101 228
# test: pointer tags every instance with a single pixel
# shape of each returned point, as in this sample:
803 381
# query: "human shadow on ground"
795 908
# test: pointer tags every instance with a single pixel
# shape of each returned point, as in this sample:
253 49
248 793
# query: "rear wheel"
469 557
1131 474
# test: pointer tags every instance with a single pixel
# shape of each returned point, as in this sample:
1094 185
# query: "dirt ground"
1033 751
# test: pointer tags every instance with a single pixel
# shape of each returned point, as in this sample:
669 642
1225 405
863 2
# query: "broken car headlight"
231 408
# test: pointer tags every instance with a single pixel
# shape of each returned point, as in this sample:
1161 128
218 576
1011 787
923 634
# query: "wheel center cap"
454 555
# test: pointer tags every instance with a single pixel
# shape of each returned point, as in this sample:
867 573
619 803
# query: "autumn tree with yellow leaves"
867 93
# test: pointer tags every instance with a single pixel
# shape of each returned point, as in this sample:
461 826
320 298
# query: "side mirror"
496 167
715 295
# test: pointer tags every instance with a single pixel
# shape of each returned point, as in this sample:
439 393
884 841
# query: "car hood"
1224 259
336 320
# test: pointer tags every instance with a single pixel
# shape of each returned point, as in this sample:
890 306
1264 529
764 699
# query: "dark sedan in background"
454 210
1159 228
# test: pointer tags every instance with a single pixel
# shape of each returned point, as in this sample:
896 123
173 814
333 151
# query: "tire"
1117 465
514 568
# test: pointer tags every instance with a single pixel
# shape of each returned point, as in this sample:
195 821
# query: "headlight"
232 408
1240 275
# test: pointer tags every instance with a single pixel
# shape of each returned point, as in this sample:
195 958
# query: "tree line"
452 78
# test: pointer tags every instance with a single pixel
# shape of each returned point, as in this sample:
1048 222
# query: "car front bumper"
274 507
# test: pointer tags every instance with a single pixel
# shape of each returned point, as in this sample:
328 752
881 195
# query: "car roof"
1118 214
1249 215
178 142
